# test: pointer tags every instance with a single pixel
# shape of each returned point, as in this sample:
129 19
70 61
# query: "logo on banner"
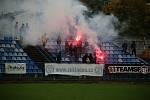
129 69
15 68
49 69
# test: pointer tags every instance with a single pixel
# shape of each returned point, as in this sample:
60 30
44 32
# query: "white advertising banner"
129 69
15 68
74 69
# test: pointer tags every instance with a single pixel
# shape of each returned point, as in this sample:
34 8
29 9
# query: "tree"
108 8
134 14
94 6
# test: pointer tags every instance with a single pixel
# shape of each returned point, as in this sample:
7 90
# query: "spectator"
22 32
22 29
44 39
79 48
71 49
84 58
75 53
16 30
58 60
66 47
59 43
59 40
133 48
27 28
91 58
124 47
87 60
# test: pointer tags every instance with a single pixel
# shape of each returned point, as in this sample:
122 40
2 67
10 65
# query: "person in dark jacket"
133 48
124 47
91 58
84 58
58 59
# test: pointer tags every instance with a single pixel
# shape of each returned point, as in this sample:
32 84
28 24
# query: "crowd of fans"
74 50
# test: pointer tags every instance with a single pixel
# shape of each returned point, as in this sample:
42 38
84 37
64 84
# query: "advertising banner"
15 68
129 69
74 69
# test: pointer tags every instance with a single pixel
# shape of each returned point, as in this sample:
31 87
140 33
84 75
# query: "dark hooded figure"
124 47
91 58
84 58
58 57
133 48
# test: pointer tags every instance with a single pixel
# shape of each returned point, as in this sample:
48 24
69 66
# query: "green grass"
45 91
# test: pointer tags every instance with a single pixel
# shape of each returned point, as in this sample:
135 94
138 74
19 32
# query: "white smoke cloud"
56 16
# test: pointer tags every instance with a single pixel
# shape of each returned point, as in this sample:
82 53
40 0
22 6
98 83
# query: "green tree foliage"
136 16
133 14
94 5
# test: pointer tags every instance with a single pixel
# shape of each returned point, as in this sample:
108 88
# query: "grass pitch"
46 91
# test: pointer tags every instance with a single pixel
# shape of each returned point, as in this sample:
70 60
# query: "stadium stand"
35 58
115 55
12 52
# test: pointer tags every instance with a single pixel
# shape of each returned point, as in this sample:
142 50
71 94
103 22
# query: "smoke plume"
58 17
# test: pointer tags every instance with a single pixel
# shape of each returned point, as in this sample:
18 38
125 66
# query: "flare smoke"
58 17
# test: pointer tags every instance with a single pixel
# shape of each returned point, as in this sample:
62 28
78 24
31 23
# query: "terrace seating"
115 55
12 52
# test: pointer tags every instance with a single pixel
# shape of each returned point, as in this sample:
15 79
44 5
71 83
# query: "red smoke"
78 37
100 56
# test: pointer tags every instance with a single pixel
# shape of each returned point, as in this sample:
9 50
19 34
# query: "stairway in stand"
37 55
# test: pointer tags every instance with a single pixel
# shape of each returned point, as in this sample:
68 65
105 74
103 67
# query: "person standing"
66 47
124 47
22 32
91 58
44 40
133 48
58 59
16 36
26 28
59 43
84 58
